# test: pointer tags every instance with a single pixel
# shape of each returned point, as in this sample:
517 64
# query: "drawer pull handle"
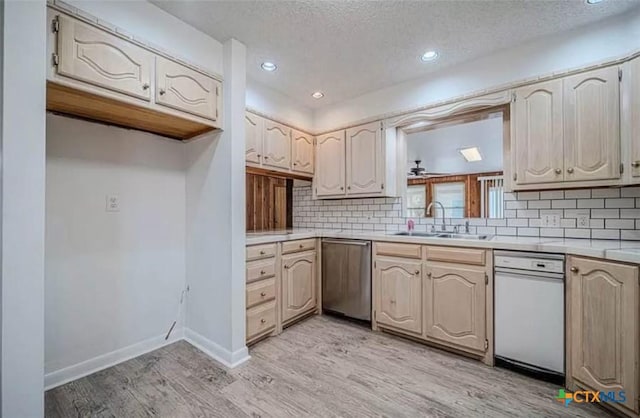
263 294
261 252
262 272
262 321
574 269
301 246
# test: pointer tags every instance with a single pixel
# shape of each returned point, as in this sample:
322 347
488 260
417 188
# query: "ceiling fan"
421 172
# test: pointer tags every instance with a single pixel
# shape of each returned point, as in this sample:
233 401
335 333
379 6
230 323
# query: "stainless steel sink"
444 235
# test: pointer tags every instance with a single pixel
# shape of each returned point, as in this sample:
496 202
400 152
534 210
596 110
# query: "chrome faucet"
435 215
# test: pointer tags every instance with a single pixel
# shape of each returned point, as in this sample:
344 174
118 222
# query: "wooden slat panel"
267 203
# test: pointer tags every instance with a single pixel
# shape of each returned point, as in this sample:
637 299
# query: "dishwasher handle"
347 242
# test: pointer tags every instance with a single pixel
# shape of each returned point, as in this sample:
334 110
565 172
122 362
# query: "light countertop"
625 251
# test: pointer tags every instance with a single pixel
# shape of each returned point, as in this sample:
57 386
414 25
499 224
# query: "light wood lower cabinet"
298 284
455 301
440 295
603 328
399 294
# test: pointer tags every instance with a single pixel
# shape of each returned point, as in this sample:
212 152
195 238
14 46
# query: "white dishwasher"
529 313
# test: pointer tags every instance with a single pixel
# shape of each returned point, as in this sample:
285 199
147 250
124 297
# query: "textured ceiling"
347 48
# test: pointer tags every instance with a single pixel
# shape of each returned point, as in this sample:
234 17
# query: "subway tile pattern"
586 213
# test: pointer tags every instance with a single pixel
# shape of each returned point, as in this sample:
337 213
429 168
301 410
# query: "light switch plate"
113 203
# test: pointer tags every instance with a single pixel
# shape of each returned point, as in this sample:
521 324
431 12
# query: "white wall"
113 279
23 207
216 225
608 39
277 105
154 25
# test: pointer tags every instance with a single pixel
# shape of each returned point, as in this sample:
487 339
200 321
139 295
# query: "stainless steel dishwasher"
346 278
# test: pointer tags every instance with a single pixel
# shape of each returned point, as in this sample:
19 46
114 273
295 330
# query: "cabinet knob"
145 86
429 274
262 272
266 158
262 321
574 269
263 294
162 92
392 301
570 170
258 155
295 163
635 164
558 171
285 266
301 246
341 188
261 252
417 272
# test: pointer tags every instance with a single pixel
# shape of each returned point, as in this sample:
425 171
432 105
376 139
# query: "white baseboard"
213 350
85 368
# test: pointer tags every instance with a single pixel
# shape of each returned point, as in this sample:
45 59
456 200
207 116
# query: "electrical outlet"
551 221
583 220
113 203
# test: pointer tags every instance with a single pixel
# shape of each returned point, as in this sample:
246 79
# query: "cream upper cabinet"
88 54
184 89
634 115
399 294
364 159
298 284
538 137
455 301
592 125
604 326
276 145
329 179
301 152
254 129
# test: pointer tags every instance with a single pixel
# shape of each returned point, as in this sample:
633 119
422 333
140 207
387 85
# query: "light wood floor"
320 367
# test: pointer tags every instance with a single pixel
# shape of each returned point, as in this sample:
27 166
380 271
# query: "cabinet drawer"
261 291
261 319
300 245
261 269
398 250
261 251
457 255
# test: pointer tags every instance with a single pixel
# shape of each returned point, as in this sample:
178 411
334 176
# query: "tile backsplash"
612 213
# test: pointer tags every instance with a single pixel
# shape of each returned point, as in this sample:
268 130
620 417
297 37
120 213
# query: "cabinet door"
276 145
330 164
254 129
364 159
634 109
184 89
302 152
604 326
538 143
455 303
399 294
298 284
592 125
91 55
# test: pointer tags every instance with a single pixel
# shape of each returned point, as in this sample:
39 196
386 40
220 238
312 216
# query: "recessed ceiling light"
471 154
594 1
318 95
269 66
429 56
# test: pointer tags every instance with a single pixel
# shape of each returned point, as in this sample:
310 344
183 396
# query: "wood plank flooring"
320 367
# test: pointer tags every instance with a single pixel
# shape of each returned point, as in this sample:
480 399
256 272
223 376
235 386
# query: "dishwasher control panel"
530 263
